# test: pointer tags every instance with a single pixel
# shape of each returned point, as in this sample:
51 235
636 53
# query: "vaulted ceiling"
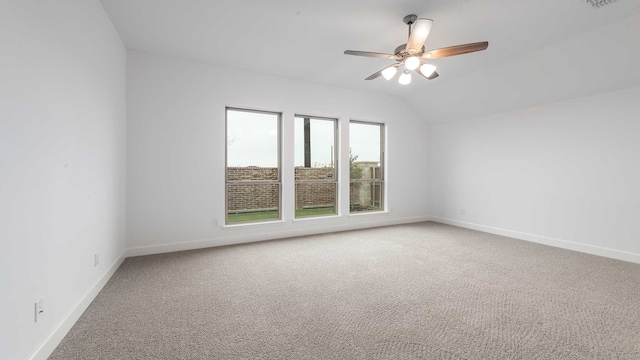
540 51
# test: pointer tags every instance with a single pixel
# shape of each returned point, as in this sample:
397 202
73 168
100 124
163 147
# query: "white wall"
176 151
564 174
62 164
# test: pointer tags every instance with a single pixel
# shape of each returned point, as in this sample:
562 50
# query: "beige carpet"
418 291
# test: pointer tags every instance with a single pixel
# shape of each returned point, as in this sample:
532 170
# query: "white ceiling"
306 41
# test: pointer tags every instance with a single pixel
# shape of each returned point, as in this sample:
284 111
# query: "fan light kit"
410 56
412 63
405 78
390 72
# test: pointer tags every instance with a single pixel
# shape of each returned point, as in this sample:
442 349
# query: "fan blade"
433 76
419 33
371 54
455 50
376 75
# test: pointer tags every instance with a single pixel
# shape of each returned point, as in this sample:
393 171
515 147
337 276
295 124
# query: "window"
366 167
316 179
253 187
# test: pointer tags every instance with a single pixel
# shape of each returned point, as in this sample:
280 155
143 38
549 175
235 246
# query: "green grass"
315 212
272 215
364 208
252 216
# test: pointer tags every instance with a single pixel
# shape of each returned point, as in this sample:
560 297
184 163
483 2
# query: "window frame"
381 181
227 183
336 167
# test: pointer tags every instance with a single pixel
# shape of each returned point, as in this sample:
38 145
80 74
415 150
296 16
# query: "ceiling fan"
411 56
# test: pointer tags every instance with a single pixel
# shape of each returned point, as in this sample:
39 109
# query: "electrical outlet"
38 310
463 211
96 260
215 222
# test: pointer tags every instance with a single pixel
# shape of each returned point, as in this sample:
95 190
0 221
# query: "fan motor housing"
401 50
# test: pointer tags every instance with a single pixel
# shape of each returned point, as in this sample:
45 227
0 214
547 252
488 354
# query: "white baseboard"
53 340
564 244
236 237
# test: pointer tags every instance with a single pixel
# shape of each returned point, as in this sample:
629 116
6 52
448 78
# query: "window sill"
311 218
252 225
364 213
